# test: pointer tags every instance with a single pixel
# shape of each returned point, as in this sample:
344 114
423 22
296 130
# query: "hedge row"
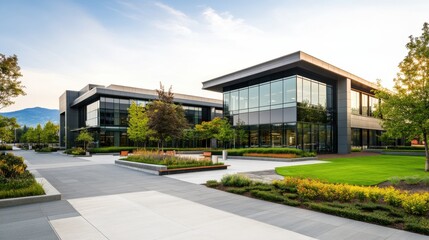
242 151
5 147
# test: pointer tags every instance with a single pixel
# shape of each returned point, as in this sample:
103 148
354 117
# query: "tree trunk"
426 151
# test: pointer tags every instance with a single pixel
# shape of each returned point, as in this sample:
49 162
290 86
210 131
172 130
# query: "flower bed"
171 162
384 206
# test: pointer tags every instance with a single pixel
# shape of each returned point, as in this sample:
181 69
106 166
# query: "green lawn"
368 170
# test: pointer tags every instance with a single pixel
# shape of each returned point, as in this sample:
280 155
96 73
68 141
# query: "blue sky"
68 44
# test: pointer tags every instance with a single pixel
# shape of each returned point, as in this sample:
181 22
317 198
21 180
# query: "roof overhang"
96 92
298 59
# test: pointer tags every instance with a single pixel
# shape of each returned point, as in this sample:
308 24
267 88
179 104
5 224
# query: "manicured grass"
369 170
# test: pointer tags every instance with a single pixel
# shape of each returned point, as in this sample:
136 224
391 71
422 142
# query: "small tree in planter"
85 137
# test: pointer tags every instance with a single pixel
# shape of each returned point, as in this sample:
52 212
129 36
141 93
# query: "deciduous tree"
138 128
10 87
85 137
405 110
166 119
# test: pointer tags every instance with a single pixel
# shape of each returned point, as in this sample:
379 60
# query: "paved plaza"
104 201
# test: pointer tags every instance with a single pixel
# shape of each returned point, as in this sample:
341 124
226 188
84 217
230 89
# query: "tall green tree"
224 133
166 119
405 111
85 137
138 128
7 129
50 133
10 87
38 131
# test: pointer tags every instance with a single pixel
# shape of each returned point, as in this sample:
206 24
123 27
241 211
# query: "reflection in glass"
314 93
254 97
364 105
355 102
276 92
264 95
289 85
306 91
234 101
276 135
244 97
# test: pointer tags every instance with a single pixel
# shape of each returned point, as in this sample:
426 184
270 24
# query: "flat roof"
298 59
141 93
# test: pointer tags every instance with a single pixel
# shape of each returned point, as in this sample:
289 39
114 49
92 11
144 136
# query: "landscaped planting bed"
383 206
15 179
173 162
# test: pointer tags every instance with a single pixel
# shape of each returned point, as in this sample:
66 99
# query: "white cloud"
224 25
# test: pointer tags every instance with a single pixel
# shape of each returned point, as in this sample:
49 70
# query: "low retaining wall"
144 167
51 194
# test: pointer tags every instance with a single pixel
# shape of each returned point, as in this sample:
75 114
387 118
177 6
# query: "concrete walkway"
103 201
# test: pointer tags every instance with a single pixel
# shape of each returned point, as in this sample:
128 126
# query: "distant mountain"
33 116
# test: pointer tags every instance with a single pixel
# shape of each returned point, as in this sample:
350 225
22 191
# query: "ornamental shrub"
236 180
11 166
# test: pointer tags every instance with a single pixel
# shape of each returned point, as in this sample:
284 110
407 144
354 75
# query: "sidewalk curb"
51 194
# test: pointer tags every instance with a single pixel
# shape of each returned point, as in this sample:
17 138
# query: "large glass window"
373 102
277 93
314 93
299 89
92 112
289 85
306 91
253 97
355 101
244 98
234 101
364 105
226 102
322 95
264 95
276 135
290 135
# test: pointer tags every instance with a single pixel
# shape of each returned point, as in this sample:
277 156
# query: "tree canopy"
166 119
405 110
85 137
10 87
138 129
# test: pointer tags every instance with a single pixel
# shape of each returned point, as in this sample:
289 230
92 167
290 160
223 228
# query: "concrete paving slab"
134 215
236 166
76 228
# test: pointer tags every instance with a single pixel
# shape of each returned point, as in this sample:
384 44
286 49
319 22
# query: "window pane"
289 85
254 97
299 89
329 98
244 98
306 91
264 95
314 93
276 92
234 101
355 102
364 105
226 102
322 95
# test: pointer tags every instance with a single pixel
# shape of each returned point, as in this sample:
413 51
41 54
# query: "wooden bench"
207 155
192 169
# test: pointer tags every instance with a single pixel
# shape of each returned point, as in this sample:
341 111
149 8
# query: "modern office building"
104 112
300 101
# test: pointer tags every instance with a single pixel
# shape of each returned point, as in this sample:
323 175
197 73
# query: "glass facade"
107 119
366 138
363 104
288 112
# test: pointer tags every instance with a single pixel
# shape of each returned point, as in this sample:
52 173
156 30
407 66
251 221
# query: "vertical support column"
343 115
